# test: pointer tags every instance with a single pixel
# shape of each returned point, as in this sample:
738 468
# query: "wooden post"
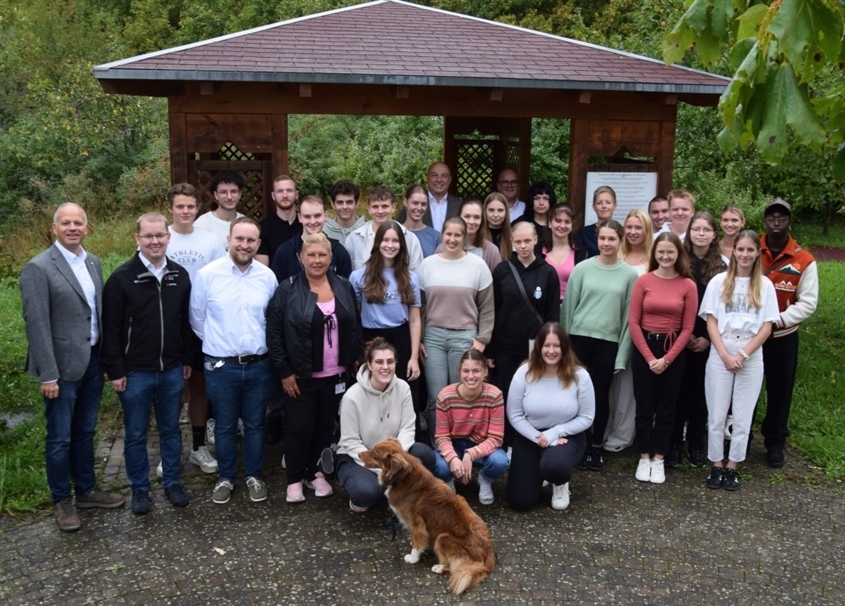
178 148
450 151
579 137
666 157
279 156
524 167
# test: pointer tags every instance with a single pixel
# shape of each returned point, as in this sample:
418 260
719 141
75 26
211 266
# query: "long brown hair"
713 262
755 284
681 263
568 360
374 284
506 235
478 239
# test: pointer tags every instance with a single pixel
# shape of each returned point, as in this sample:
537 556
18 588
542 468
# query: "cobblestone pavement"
778 540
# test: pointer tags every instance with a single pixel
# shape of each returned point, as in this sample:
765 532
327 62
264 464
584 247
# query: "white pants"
623 411
724 389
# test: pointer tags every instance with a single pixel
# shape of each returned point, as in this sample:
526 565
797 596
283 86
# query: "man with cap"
794 273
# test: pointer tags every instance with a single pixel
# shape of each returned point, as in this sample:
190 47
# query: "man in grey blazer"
61 291
441 204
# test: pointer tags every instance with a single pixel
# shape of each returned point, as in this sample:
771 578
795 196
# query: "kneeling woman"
551 403
740 306
377 407
470 428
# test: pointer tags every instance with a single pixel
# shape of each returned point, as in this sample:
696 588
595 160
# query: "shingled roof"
399 43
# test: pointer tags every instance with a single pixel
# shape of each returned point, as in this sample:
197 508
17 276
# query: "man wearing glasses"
794 273
147 353
508 186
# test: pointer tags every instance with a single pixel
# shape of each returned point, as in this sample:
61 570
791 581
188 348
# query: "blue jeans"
163 392
444 348
492 466
238 390
71 423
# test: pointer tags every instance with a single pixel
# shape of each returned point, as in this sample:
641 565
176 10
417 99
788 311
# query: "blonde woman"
732 221
740 307
604 205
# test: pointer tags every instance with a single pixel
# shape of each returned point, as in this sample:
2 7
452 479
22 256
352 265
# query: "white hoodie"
368 416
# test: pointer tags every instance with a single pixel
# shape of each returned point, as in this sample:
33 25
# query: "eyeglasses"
389 362
776 220
151 237
509 183
701 230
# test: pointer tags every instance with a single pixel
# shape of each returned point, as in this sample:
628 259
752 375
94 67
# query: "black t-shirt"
275 231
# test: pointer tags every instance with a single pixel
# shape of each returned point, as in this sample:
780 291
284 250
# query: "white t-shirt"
219 227
739 317
194 251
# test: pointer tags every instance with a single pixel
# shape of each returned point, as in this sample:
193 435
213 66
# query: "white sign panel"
633 190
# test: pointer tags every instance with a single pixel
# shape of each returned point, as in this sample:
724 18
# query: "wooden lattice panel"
254 168
475 168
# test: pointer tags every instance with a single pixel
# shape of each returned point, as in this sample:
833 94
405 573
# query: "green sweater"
596 304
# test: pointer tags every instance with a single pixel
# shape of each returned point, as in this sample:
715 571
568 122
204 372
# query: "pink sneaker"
294 493
320 486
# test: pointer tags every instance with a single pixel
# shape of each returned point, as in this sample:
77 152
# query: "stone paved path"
779 540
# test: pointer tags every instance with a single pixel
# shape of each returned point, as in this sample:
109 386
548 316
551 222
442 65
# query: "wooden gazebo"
229 97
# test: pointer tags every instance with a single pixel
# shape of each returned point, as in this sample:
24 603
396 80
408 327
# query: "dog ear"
396 467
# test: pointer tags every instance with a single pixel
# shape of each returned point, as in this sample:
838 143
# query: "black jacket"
285 263
145 323
516 323
295 326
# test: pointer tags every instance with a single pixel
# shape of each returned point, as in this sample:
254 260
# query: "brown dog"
434 515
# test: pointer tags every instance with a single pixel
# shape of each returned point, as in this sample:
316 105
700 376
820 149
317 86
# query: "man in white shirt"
227 187
344 196
193 249
228 313
441 204
381 205
146 353
681 210
61 293
508 186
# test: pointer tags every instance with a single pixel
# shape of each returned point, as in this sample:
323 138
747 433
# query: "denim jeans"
238 390
444 348
71 422
163 392
492 466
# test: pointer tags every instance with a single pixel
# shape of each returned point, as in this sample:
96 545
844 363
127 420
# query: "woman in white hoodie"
377 407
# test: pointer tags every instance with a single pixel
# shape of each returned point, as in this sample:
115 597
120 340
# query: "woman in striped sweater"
470 428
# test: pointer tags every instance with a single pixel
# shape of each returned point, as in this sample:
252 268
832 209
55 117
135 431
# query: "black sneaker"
140 502
675 455
716 478
176 495
697 458
595 462
585 461
774 455
731 482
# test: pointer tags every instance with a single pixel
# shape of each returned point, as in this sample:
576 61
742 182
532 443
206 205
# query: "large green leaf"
785 103
805 30
838 167
707 23
749 21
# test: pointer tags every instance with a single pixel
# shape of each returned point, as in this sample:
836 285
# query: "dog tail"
467 575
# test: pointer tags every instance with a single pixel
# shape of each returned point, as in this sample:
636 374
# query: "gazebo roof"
399 43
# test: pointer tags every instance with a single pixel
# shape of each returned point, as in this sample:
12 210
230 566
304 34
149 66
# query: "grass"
810 234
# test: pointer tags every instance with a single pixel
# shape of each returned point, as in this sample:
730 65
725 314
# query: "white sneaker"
160 469
485 491
202 458
644 470
209 431
184 419
658 474
284 465
509 452
560 496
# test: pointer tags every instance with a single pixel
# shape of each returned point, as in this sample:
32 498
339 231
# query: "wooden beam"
665 158
402 92
579 137
178 148
304 90
497 94
210 88
279 136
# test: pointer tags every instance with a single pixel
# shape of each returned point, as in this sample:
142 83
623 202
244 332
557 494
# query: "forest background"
62 138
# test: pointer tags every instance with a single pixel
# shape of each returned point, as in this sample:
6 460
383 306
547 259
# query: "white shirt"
360 244
738 317
438 210
516 211
228 307
158 272
219 227
195 250
80 270
667 227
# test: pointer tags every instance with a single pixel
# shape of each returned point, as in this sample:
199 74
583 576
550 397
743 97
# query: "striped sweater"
481 421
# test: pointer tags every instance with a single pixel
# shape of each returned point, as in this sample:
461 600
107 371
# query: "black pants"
657 399
780 363
400 338
309 425
692 405
599 357
506 365
531 464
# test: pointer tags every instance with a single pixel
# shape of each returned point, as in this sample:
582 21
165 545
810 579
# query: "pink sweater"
662 306
481 421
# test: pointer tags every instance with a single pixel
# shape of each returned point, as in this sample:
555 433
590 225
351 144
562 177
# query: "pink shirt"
331 343
662 306
563 270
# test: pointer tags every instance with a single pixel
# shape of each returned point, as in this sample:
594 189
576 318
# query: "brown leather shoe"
99 498
66 516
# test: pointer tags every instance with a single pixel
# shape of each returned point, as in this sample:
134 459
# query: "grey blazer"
452 205
57 316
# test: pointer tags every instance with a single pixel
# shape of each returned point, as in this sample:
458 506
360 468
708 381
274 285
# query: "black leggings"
599 358
531 464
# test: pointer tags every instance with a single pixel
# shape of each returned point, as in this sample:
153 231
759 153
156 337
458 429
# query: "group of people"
492 326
